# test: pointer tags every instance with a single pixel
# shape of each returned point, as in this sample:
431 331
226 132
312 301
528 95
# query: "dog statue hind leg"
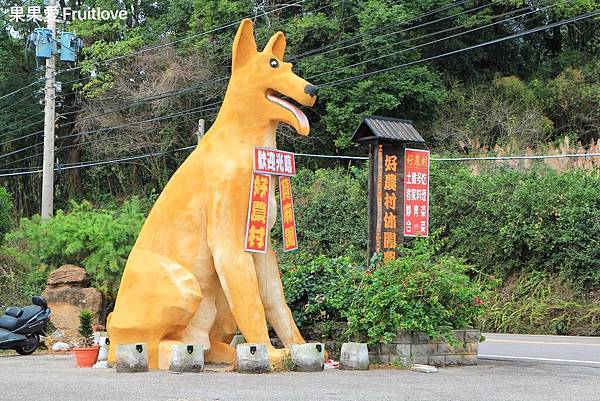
157 299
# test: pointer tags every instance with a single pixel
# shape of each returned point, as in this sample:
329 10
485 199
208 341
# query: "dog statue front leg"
271 291
239 282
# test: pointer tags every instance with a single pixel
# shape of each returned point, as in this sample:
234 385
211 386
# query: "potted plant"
86 352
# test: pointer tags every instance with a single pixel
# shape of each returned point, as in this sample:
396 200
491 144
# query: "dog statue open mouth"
188 279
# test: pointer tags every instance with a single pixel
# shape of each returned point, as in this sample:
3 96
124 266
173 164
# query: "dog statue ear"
276 45
244 45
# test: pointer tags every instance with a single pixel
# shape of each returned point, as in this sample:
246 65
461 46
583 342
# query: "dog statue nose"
310 90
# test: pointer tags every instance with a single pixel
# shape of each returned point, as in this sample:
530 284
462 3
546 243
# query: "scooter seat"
12 323
9 323
14 311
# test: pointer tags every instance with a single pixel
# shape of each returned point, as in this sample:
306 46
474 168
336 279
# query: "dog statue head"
263 79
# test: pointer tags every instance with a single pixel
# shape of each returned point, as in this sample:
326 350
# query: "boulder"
69 275
68 293
61 347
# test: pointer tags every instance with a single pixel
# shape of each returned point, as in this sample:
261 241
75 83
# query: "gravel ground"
55 377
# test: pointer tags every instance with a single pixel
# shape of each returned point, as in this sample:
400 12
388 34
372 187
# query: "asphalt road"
55 378
563 350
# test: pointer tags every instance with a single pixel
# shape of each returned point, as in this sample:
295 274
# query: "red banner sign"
416 193
258 214
273 161
288 220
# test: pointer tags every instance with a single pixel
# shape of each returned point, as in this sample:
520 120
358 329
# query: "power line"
392 33
21 89
488 43
428 43
102 162
309 52
163 45
186 90
166 152
202 84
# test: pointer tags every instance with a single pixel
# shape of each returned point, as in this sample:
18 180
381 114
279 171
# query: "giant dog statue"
188 279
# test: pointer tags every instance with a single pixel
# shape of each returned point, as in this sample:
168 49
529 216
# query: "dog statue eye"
274 63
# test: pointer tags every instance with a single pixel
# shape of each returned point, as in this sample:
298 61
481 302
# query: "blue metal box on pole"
43 41
69 46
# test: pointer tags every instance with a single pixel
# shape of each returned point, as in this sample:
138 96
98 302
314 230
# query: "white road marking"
526 358
539 342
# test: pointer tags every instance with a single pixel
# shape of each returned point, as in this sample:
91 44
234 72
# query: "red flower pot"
86 357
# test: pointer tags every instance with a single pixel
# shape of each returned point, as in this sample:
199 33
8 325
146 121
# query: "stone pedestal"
252 358
187 358
307 357
354 356
68 292
132 358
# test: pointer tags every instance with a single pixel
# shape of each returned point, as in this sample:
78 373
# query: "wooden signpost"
388 140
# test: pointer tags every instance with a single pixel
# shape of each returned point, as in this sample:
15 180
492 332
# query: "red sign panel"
273 161
288 220
258 214
416 193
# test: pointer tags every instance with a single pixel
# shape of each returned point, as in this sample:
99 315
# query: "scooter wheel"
32 345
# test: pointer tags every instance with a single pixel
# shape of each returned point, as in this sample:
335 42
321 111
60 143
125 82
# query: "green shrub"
416 292
331 213
313 288
85 328
5 211
504 221
541 303
98 240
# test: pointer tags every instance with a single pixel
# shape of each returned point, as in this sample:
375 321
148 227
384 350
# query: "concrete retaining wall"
411 348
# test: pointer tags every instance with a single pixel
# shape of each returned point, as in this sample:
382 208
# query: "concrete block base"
132 358
354 356
187 358
252 358
307 357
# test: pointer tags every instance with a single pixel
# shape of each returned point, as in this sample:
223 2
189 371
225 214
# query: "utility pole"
49 121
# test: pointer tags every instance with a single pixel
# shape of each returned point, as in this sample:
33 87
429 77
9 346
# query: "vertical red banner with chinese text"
258 214
416 193
288 220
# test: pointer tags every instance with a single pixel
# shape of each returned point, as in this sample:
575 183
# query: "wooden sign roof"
378 128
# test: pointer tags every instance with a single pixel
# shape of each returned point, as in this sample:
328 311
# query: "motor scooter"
21 328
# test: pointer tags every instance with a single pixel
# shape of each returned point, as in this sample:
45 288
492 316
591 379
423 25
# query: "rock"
187 358
67 295
252 358
423 368
132 358
61 347
101 365
307 357
354 356
69 275
57 334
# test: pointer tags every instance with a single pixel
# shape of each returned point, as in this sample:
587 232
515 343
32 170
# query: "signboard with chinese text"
416 193
258 214
288 220
385 204
273 161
